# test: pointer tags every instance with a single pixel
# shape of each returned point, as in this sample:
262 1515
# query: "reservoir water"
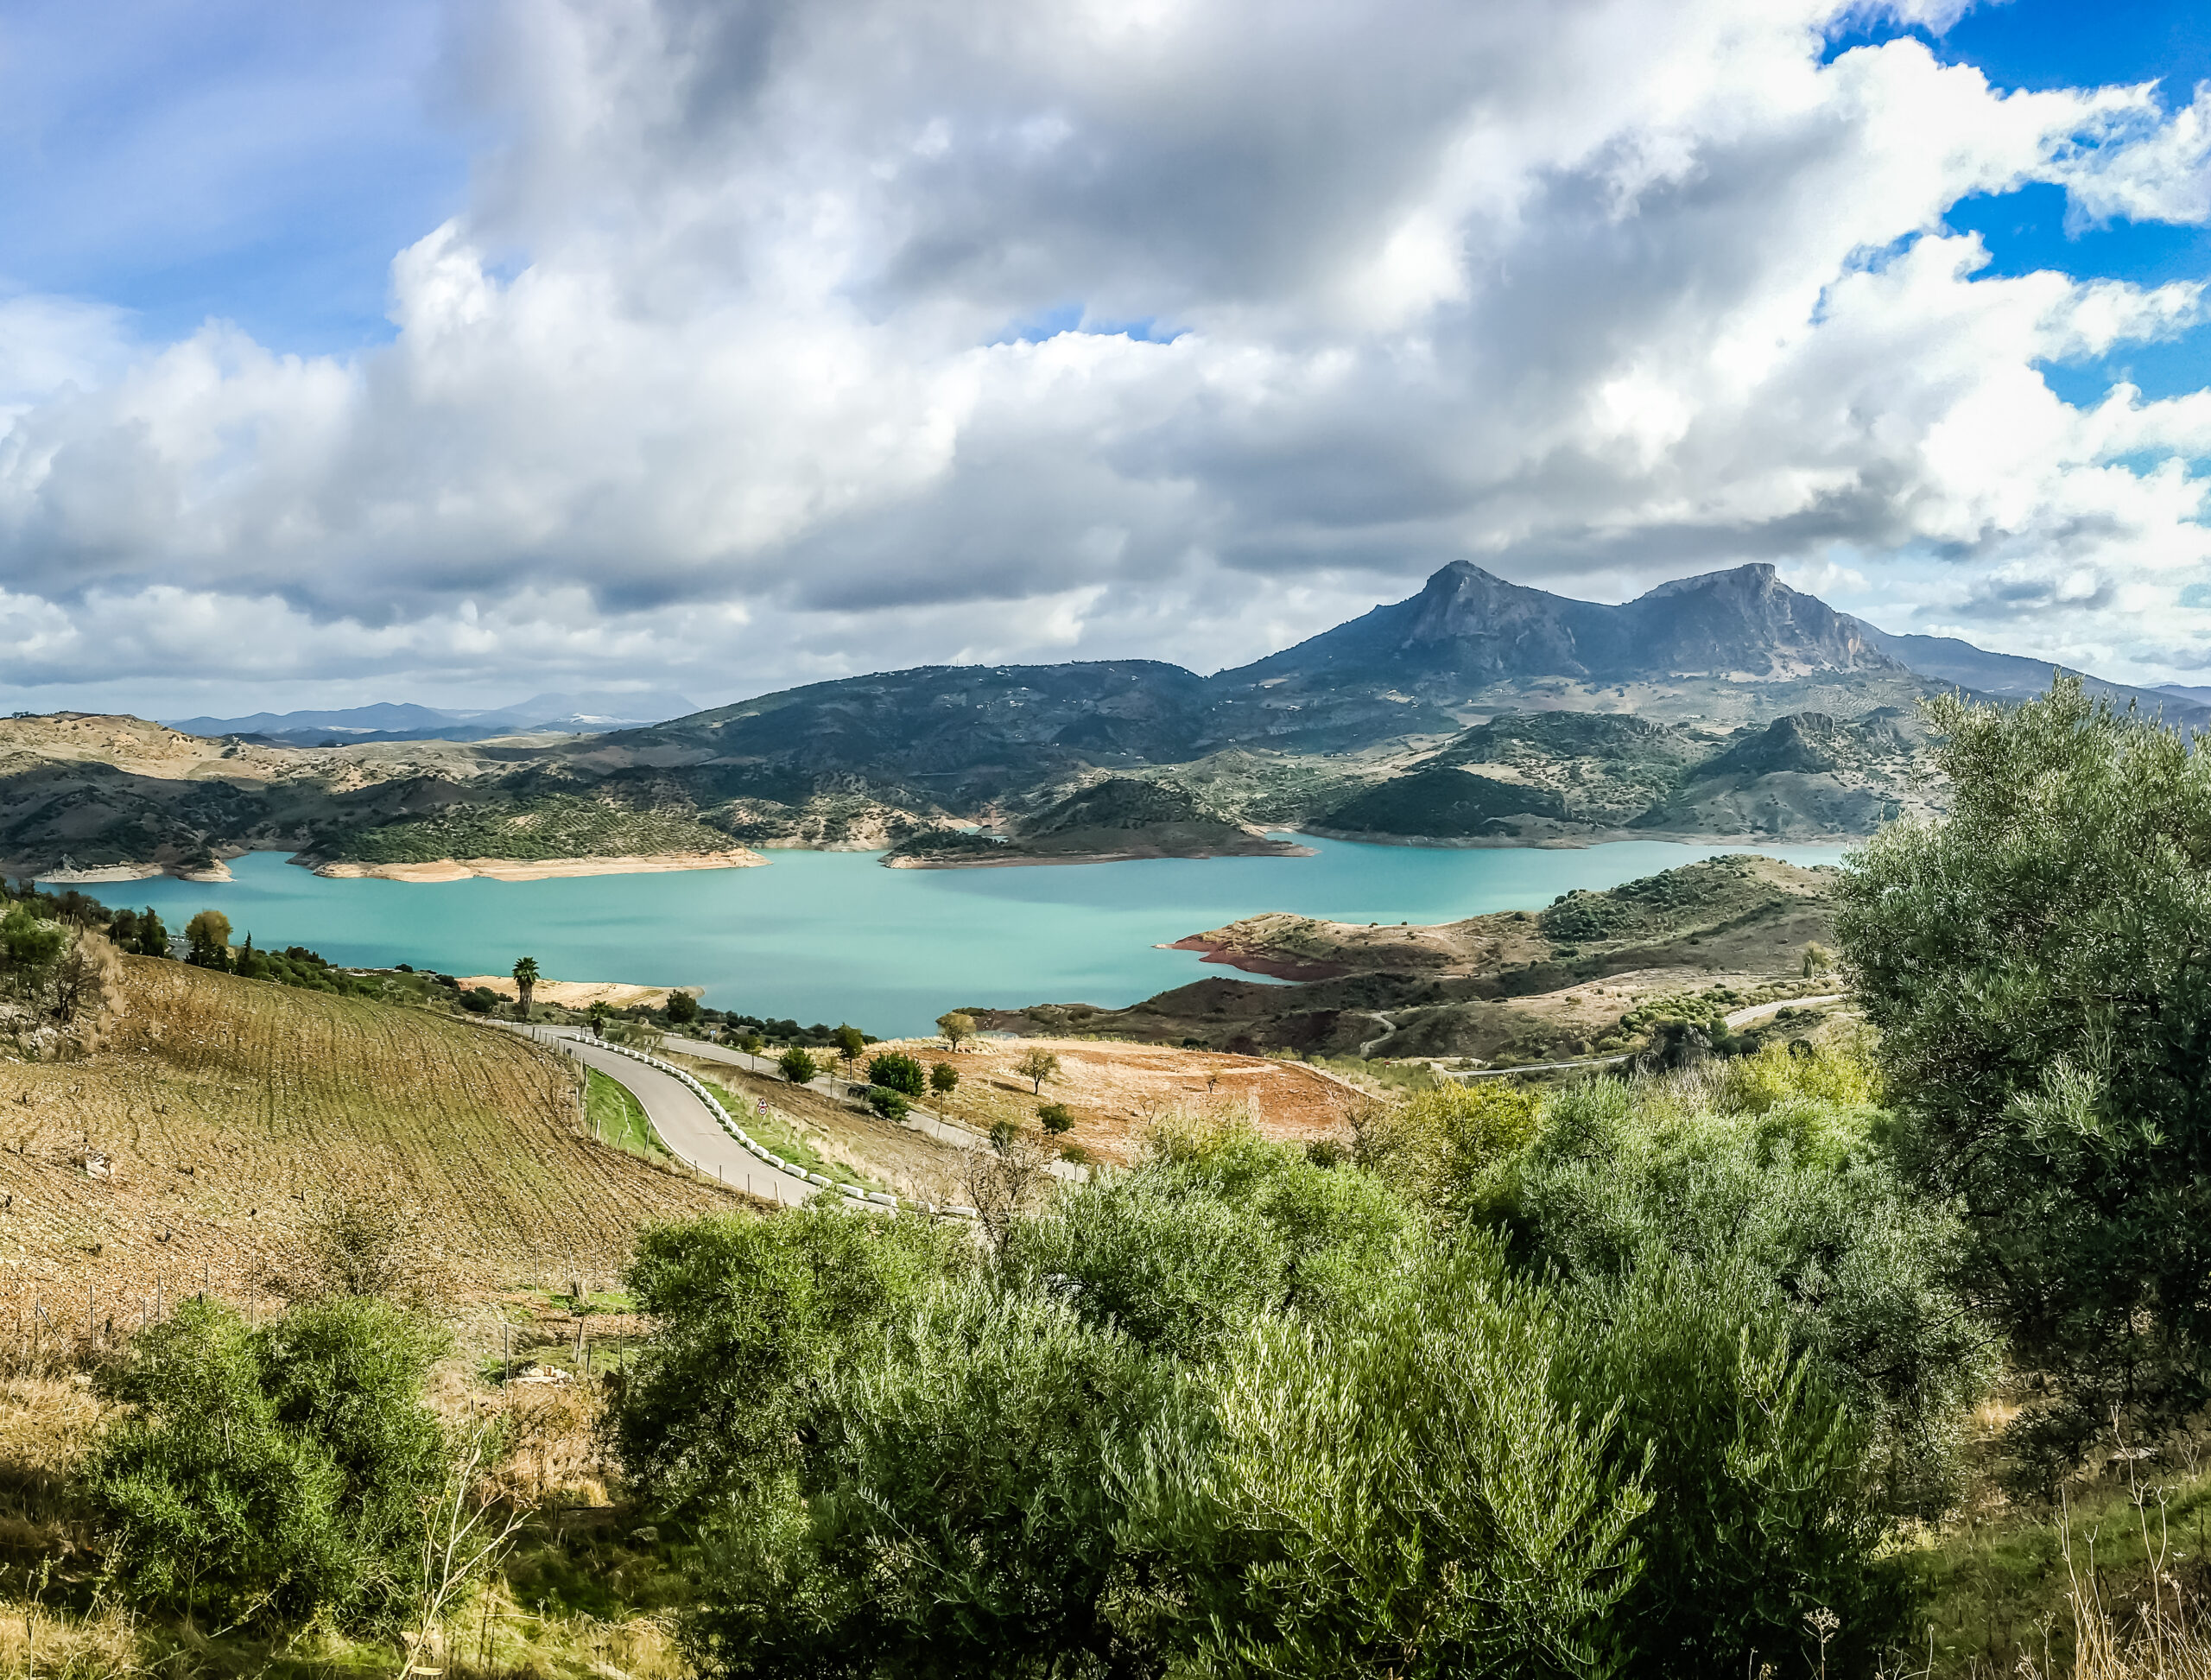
834 936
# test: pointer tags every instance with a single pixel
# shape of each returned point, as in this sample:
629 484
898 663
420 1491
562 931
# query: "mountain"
2011 675
1468 629
1477 711
567 714
591 709
384 716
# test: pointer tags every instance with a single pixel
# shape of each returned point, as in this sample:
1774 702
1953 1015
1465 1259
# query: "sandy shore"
543 869
73 877
580 994
1141 854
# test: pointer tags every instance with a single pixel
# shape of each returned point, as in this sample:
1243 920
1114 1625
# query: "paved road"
1743 1017
690 1132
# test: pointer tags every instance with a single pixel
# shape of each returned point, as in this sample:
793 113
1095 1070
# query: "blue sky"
450 352
256 162
2045 44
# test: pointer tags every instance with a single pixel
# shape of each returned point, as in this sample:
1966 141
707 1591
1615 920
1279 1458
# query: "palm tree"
525 984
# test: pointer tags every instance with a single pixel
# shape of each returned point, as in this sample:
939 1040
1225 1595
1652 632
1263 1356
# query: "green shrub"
269 1476
1755 1465
755 1315
953 1514
1800 1205
1211 1230
1395 1491
894 1071
2034 962
797 1066
1056 1118
891 1105
1439 1145
31 945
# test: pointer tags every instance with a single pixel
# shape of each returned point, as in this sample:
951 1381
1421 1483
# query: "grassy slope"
224 1106
616 1117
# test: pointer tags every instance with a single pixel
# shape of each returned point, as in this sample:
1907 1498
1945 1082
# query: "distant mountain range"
541 714
1726 706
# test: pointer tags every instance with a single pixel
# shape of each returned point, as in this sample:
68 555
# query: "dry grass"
2145 1629
188 1152
1119 1091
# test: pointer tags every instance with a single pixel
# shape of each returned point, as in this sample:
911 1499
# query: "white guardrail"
752 1145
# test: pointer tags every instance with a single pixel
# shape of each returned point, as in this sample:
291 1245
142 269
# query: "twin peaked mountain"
1722 707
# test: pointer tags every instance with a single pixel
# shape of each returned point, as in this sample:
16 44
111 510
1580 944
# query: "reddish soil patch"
1257 963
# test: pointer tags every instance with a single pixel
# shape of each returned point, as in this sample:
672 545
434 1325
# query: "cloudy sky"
388 350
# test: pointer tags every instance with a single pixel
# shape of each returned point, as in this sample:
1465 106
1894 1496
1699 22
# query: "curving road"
689 1133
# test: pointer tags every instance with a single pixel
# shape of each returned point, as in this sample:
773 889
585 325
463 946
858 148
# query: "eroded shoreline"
539 869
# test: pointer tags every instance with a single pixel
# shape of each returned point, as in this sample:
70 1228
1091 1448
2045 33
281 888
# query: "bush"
1439 1144
894 1071
755 1316
681 1009
1056 1118
954 1512
1755 1466
1397 1490
1213 1229
31 945
2034 964
270 1476
797 1066
891 1105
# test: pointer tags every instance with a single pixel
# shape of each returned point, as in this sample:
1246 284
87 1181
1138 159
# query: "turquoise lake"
834 936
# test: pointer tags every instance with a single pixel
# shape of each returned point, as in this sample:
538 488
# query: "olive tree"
2038 962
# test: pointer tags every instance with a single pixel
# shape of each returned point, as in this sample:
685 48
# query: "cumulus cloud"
731 372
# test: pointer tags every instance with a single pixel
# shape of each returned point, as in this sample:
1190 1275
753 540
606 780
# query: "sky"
452 352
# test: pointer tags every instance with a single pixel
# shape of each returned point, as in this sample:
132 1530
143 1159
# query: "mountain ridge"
1725 706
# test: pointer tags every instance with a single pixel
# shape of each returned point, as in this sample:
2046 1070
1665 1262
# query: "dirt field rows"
221 1109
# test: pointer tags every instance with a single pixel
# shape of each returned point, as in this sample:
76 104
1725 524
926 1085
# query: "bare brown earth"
1118 1092
1520 987
192 1147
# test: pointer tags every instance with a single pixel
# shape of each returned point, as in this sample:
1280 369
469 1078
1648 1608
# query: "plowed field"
221 1109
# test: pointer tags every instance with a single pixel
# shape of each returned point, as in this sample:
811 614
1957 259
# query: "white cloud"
712 380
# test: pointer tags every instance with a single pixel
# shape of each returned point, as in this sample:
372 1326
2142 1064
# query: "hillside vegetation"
221 1110
1594 971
